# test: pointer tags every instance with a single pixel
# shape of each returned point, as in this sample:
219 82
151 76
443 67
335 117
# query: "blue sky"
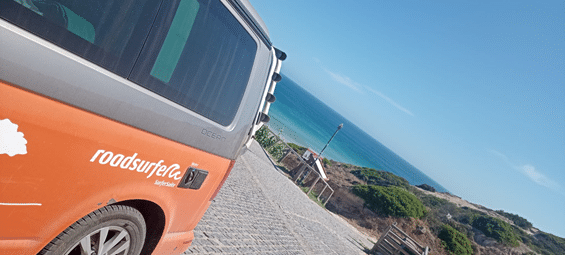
469 92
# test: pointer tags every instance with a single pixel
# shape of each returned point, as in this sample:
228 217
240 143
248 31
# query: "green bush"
427 187
495 228
455 242
262 136
299 149
326 161
380 178
276 150
433 201
390 201
545 243
541 242
269 142
518 220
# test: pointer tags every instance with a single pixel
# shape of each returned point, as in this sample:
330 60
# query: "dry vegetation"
426 230
488 231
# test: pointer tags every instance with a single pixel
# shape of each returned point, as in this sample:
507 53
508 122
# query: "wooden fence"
301 172
396 242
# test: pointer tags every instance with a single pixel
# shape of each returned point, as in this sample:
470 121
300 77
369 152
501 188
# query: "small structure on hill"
396 242
309 156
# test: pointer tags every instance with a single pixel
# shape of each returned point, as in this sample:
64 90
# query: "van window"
199 56
107 33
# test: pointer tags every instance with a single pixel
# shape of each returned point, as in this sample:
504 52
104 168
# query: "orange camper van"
121 120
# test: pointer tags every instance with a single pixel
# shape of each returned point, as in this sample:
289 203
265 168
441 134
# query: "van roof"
255 15
245 8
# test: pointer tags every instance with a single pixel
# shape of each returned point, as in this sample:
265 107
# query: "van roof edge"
250 15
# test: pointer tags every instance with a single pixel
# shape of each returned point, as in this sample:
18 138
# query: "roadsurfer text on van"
137 164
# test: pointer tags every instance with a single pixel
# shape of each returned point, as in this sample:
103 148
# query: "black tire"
122 228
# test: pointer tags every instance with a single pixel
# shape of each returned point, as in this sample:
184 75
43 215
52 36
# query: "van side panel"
76 162
40 66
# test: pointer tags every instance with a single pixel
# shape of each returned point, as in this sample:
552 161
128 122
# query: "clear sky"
469 92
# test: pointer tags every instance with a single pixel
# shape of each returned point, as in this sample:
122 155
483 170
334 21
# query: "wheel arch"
154 220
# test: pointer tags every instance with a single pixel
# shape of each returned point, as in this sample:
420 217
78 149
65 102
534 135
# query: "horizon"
332 152
469 93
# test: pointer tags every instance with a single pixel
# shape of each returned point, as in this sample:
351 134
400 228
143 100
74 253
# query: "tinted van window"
107 33
199 56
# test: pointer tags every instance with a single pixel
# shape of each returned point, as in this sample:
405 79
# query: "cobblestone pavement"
261 211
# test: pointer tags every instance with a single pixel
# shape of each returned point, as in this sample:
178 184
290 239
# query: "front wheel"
111 230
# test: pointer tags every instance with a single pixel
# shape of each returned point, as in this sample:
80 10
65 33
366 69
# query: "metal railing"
299 170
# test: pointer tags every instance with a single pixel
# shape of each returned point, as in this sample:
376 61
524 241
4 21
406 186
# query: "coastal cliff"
488 231
371 200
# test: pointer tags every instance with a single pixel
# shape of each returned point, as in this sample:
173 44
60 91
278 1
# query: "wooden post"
327 199
314 183
376 245
308 173
285 155
300 171
275 143
322 192
396 241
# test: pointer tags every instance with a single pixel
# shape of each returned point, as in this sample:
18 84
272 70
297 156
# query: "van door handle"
193 178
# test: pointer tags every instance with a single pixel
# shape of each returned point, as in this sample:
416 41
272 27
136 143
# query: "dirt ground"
351 208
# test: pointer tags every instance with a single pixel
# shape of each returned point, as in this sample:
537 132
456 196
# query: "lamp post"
317 157
337 129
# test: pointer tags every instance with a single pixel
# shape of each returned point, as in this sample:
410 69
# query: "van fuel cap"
193 178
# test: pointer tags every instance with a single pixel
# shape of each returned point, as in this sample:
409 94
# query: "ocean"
299 117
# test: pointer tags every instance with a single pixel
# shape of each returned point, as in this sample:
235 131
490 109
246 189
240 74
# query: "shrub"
454 241
276 151
380 178
262 136
269 142
326 161
299 149
495 228
390 201
427 187
518 220
346 165
541 242
546 243
433 201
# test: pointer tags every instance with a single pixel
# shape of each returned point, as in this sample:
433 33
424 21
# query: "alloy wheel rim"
111 240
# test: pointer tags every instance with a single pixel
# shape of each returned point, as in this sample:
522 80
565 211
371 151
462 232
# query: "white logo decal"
12 142
164 183
134 163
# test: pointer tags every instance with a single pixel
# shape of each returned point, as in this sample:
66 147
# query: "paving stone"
260 211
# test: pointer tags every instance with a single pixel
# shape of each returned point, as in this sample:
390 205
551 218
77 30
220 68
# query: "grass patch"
283 168
326 162
313 196
299 149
